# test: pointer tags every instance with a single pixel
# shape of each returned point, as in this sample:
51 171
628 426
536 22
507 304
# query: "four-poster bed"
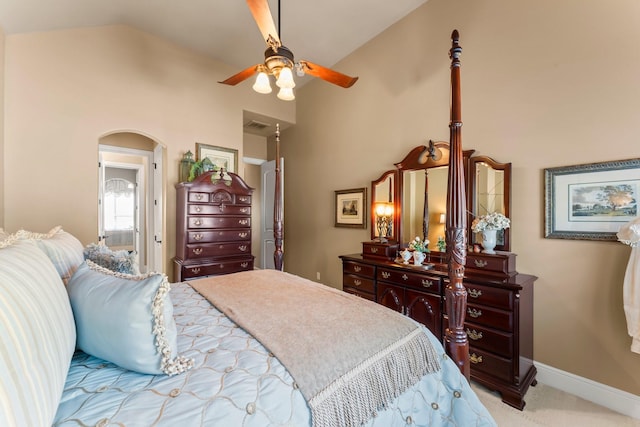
251 348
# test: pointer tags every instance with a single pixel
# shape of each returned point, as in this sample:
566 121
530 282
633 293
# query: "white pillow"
64 250
126 319
37 335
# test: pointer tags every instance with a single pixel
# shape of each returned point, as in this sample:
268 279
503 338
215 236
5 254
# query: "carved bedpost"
278 254
456 342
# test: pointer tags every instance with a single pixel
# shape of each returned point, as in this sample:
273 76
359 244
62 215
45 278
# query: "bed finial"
456 50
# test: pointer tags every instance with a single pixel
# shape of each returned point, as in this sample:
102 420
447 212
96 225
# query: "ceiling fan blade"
328 74
262 15
241 76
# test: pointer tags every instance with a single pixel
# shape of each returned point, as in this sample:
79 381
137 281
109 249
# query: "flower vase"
489 241
418 257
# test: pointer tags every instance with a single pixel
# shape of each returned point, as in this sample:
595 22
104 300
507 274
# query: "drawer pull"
474 358
244 199
357 282
472 334
197 237
242 247
197 222
427 283
197 251
199 196
474 313
405 277
480 263
386 274
198 209
195 270
244 265
243 221
221 266
244 210
475 293
357 268
243 235
373 250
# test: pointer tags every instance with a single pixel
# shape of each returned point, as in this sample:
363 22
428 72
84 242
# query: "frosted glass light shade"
286 94
285 79
262 83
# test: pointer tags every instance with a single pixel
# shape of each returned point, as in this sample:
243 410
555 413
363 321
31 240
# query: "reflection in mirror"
490 189
383 207
418 218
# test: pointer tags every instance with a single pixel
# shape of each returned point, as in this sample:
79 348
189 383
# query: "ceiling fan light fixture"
285 79
286 94
262 84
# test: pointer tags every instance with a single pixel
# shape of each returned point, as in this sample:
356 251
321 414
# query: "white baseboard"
604 395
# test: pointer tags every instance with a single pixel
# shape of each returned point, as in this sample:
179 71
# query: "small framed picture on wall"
350 208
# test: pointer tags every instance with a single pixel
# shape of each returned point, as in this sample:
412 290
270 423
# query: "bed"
86 345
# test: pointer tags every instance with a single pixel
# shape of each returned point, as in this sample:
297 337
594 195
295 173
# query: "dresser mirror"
383 195
417 188
490 191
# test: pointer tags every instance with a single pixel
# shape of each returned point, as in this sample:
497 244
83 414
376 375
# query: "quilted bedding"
237 382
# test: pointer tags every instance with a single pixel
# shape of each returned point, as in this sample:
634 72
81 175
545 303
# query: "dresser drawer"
423 282
198 197
487 363
488 339
208 250
360 269
201 209
216 268
379 250
486 295
487 316
358 282
242 199
218 236
218 222
360 293
503 263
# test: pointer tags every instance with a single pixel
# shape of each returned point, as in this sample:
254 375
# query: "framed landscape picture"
350 208
221 157
591 201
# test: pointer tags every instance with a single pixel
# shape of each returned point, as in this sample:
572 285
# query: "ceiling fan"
279 61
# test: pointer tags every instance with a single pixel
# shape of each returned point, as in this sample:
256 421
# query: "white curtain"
630 234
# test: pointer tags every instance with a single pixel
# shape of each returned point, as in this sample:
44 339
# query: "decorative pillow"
3 235
126 319
37 335
64 250
119 261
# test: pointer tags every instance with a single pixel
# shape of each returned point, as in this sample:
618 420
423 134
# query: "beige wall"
255 146
67 89
2 166
545 83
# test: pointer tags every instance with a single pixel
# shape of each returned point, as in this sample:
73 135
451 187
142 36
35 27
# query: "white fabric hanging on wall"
630 234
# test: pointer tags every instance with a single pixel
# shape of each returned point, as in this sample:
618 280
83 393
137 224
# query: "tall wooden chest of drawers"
213 226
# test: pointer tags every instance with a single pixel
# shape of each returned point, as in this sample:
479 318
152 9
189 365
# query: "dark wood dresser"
213 226
499 315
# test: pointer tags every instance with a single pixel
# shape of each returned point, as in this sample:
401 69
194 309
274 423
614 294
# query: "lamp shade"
285 79
286 94
262 83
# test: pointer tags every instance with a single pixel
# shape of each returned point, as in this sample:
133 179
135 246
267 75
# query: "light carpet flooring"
547 406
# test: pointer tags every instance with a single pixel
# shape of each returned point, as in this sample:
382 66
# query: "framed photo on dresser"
221 157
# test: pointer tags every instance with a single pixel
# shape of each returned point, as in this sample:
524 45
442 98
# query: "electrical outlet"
317 275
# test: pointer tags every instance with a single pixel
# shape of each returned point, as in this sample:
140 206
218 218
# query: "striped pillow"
38 335
62 248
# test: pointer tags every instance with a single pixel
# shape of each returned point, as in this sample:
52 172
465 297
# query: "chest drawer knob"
197 237
357 282
197 251
195 270
197 222
199 196
374 250
244 210
474 358
198 209
243 221
242 247
474 335
480 263
357 268
474 313
475 293
243 235
386 274
244 265
405 277
427 283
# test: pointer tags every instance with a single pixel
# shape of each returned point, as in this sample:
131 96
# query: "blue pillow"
126 319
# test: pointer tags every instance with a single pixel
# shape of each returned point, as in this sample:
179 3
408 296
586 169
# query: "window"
119 204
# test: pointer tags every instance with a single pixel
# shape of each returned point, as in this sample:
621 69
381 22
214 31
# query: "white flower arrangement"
419 245
492 221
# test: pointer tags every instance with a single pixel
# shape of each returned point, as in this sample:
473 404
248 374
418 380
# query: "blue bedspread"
236 382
